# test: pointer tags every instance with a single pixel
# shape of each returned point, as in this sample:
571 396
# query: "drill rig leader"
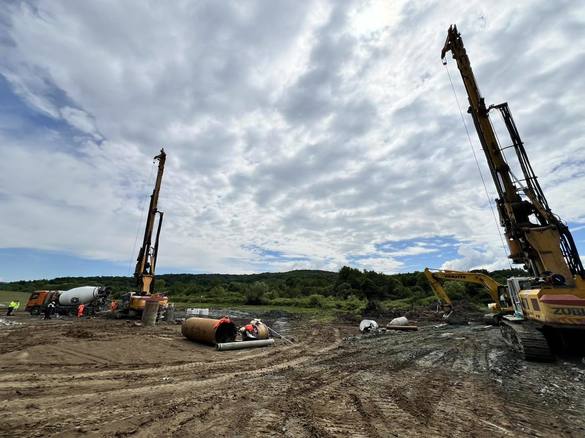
134 302
549 307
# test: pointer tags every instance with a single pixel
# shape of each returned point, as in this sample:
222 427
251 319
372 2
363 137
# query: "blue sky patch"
32 264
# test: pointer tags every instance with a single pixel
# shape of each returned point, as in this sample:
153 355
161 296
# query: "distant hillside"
177 282
348 288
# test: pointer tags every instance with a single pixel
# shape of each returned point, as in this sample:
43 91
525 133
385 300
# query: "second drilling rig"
133 302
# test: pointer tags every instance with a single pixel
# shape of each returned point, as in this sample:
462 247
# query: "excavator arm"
436 279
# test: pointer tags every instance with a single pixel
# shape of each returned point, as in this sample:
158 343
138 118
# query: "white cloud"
316 129
80 120
490 257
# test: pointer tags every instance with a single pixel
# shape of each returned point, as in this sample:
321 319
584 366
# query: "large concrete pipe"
209 331
244 344
150 312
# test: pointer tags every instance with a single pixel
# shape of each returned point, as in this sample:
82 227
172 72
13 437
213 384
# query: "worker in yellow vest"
11 308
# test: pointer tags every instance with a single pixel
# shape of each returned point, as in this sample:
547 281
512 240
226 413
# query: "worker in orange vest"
114 306
80 310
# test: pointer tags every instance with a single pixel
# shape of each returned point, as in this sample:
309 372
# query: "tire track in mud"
115 369
370 410
409 384
235 416
122 397
118 371
422 399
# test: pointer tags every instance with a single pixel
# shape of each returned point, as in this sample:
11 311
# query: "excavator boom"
436 278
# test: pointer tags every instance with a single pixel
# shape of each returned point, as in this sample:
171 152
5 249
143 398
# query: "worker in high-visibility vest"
11 308
80 310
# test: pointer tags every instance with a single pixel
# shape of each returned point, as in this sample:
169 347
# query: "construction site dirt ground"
112 378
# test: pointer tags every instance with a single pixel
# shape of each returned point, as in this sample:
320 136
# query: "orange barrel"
150 312
209 331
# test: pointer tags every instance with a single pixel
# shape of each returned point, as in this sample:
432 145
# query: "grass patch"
316 313
6 296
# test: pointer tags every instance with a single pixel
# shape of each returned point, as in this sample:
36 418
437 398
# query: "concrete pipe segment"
150 312
244 344
209 331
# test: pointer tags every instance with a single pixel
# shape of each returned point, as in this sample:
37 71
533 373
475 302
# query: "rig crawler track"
528 340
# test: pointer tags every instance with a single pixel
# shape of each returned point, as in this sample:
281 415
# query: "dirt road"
110 378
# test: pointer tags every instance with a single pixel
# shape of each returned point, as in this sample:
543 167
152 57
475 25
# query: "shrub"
255 293
316 300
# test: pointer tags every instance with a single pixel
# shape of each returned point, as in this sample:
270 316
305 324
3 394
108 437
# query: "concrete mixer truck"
95 299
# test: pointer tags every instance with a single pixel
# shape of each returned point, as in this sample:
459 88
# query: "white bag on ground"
399 321
368 325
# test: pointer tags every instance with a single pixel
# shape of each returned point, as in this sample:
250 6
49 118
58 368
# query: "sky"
300 135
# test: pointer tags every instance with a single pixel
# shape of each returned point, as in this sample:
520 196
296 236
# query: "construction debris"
406 328
402 320
255 330
192 311
368 325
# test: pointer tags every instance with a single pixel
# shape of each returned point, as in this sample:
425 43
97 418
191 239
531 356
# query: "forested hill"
172 283
348 283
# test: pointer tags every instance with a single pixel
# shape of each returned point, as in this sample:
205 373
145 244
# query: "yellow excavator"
133 302
500 304
549 305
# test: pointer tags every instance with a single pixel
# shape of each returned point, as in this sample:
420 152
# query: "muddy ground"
113 379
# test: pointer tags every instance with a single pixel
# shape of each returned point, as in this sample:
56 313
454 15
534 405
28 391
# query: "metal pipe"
280 336
224 346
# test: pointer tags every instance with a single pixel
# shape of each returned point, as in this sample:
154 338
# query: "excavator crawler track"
527 340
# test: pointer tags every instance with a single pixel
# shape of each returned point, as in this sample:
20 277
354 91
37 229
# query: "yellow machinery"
549 306
498 292
134 302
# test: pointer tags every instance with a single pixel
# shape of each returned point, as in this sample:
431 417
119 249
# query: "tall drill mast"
535 236
146 261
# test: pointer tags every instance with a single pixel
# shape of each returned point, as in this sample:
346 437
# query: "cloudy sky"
310 134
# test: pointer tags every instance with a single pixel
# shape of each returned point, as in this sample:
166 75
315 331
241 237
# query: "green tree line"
347 289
